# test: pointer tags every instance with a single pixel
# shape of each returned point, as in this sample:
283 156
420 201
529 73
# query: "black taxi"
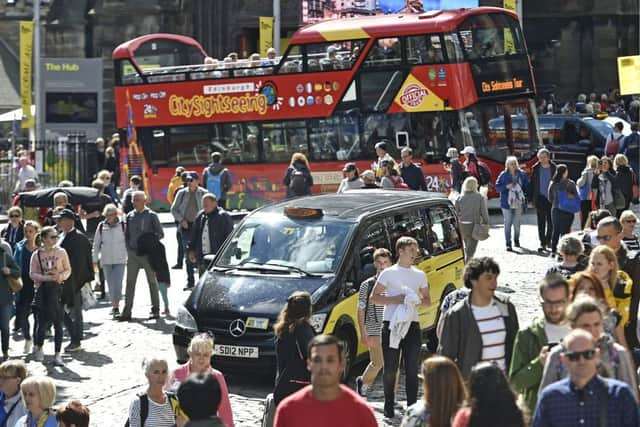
316 244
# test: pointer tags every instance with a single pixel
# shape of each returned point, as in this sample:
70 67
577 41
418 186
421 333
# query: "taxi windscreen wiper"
265 266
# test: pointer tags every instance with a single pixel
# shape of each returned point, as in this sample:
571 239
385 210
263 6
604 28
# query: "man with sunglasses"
609 232
533 344
585 398
614 361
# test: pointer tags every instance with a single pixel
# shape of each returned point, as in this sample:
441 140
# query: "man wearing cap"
351 179
217 179
185 208
411 173
381 151
78 248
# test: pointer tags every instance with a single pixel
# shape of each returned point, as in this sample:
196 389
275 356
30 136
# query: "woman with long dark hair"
491 402
444 393
561 218
293 333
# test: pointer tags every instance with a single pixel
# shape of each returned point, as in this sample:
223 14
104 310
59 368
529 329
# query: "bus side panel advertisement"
255 185
256 98
434 88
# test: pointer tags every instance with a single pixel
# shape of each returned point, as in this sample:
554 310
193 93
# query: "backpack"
298 183
612 146
214 183
144 406
484 174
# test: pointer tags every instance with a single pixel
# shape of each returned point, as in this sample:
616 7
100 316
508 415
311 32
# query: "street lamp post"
36 72
276 26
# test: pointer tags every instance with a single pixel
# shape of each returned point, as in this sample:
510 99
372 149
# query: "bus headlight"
185 320
317 321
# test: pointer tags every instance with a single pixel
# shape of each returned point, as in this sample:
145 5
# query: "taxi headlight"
317 321
185 320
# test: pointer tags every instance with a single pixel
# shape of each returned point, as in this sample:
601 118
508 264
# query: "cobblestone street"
107 374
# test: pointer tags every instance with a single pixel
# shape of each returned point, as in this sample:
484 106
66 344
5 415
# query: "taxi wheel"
347 336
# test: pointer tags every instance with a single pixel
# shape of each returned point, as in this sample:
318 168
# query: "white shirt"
493 332
394 279
555 333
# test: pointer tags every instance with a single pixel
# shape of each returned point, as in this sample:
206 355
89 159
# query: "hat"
382 145
368 175
65 213
192 176
452 153
349 167
469 150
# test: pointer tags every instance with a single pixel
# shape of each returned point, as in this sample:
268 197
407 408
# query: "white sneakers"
57 360
28 345
39 354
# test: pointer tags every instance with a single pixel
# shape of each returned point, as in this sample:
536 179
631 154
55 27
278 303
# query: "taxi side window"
411 224
374 237
442 231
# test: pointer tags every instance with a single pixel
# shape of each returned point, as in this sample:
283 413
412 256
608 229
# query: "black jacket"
291 356
534 182
78 249
624 182
220 226
629 262
149 244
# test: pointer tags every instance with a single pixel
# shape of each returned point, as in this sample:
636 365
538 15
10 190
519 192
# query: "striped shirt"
493 332
632 243
160 415
373 312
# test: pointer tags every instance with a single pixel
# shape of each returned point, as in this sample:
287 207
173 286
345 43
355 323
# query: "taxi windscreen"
313 246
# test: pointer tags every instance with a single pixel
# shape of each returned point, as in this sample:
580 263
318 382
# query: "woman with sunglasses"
14 231
615 361
49 268
616 283
628 220
24 250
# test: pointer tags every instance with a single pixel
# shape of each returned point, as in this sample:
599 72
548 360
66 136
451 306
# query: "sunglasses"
14 216
630 221
574 356
604 238
53 236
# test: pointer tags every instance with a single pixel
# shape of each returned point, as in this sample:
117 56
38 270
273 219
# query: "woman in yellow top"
616 283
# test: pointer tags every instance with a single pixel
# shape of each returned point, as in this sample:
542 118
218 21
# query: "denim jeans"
410 348
73 319
512 217
114 273
43 322
186 237
6 311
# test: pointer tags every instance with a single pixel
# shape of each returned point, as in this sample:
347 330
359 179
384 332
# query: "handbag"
15 283
568 203
88 297
480 231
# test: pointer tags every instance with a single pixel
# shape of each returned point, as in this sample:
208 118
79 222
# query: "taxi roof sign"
297 212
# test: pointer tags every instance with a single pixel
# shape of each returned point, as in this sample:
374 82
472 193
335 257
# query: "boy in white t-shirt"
394 284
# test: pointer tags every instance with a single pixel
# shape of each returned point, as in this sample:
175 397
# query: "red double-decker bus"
429 81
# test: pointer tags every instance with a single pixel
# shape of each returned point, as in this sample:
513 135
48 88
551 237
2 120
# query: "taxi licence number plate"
236 351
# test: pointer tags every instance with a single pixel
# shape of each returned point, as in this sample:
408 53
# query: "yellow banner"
26 48
510 5
266 34
629 74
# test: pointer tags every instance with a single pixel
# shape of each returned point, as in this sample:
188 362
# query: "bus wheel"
348 338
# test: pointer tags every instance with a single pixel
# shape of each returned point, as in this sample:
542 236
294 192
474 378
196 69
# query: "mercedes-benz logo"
237 328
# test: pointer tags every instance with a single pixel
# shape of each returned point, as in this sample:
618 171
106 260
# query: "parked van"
321 244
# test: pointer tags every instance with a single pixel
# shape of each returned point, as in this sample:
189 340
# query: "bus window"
188 145
384 127
281 140
384 53
128 73
490 36
334 138
452 45
332 56
378 88
292 62
237 142
424 49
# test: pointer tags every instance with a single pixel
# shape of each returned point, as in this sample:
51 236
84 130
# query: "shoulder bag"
15 283
480 231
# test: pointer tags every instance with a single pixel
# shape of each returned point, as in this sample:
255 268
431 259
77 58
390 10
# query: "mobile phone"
551 345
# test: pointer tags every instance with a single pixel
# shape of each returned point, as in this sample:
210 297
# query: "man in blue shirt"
585 399
412 174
